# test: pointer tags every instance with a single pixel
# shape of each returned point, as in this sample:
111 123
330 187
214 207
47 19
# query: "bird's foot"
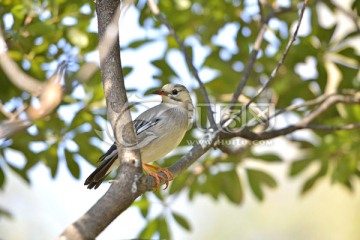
154 171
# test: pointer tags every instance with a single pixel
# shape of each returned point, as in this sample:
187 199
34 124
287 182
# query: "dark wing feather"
111 149
101 172
143 125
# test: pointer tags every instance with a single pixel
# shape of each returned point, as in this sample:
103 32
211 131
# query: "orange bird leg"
154 171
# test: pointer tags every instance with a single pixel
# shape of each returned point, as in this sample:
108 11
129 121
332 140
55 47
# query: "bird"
159 130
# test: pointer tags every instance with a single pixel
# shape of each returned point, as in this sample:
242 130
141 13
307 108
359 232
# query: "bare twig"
251 61
246 75
293 107
311 102
254 52
281 62
334 128
302 124
326 104
261 12
230 150
5 112
155 10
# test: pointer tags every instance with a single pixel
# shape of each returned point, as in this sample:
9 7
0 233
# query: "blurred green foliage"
39 33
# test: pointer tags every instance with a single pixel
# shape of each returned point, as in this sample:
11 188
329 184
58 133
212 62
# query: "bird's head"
174 93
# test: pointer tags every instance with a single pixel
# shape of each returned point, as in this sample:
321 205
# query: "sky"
43 209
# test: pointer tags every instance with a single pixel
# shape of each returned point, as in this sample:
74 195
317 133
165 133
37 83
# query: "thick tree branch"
124 189
155 10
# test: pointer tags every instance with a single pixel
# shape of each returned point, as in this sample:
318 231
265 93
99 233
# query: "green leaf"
2 178
149 230
81 117
257 179
77 37
21 172
267 157
325 35
212 185
163 228
166 71
299 166
86 150
179 183
310 183
181 221
138 43
19 11
143 206
5 213
356 6
73 166
126 71
51 159
39 28
230 185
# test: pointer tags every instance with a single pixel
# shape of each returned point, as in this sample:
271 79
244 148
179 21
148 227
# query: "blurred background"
300 186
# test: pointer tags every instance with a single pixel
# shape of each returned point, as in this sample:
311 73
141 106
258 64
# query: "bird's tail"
102 171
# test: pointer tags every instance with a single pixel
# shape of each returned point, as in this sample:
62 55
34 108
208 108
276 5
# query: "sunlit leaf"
181 221
299 166
163 228
149 230
73 166
5 213
78 37
143 205
231 186
257 179
267 157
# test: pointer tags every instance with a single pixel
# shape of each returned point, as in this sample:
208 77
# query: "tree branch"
334 128
248 68
49 98
284 55
250 64
155 10
302 124
124 190
15 74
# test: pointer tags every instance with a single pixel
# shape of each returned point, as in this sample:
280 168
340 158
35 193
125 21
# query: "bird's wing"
140 125
143 125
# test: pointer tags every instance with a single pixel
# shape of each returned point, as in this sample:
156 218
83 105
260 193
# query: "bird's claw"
149 169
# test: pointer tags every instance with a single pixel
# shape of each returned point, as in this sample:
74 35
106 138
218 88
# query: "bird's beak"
160 92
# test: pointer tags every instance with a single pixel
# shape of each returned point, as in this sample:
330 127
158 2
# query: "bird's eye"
174 92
